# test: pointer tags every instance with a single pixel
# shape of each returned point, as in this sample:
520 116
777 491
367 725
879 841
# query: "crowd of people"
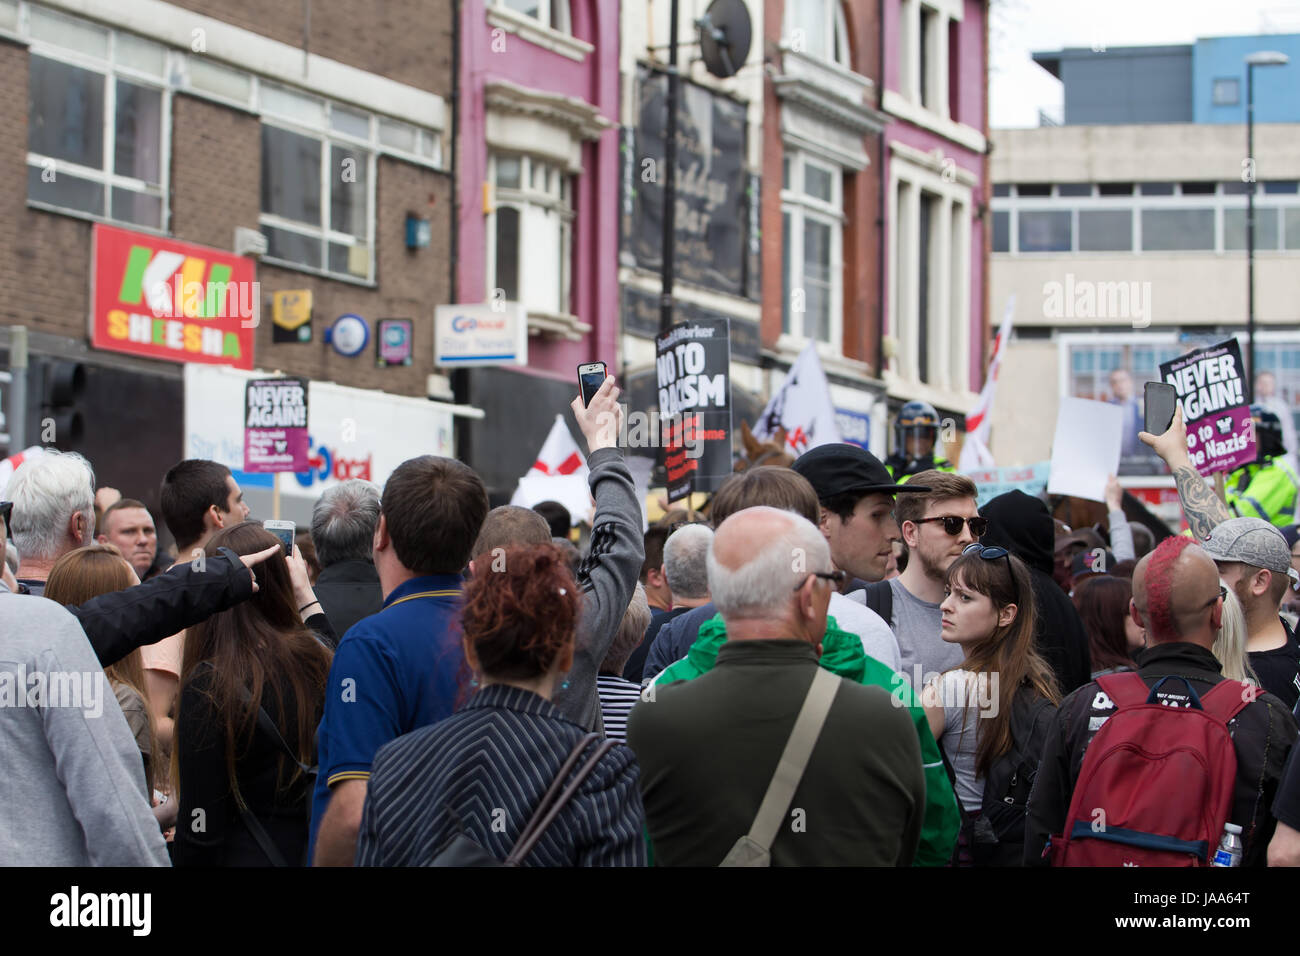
833 664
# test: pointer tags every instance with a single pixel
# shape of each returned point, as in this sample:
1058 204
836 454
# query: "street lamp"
1260 58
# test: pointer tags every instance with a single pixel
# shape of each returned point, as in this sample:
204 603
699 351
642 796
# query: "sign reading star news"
275 425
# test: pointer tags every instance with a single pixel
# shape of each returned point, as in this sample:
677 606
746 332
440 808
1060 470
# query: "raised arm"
120 621
1201 505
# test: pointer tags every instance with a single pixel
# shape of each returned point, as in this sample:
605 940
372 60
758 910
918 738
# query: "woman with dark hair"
1113 636
87 573
999 701
482 772
252 692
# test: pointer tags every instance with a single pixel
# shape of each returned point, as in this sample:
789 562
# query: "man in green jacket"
709 745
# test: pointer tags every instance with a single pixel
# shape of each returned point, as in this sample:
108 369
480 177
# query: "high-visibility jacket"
1265 491
898 464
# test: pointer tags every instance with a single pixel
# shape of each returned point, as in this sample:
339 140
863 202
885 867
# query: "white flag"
559 474
802 407
975 454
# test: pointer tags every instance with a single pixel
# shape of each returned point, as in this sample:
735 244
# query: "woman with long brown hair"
1113 636
252 692
87 573
990 706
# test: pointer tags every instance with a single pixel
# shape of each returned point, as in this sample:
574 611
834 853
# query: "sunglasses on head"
988 552
952 524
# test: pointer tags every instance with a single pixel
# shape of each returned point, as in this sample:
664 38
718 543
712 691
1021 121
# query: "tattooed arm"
1201 505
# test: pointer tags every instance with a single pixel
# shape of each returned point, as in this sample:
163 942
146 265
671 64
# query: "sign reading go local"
275 425
170 300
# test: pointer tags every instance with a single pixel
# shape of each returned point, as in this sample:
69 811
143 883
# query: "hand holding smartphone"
284 530
590 378
1160 402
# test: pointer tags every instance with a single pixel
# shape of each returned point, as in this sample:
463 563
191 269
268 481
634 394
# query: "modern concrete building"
1124 243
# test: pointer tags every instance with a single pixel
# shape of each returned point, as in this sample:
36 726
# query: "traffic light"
61 421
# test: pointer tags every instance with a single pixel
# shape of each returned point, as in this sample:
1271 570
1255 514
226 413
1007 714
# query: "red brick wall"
216 186
405 40
862 237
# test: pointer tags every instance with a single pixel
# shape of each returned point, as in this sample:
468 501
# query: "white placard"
1085 451
495 333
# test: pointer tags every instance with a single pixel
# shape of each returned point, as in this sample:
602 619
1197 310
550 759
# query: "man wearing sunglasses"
936 526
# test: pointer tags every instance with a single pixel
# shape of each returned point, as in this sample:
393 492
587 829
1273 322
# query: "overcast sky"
1019 87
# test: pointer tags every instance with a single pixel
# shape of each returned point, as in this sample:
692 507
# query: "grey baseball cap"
1251 541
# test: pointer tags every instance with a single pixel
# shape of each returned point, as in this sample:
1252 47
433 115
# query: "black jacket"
120 621
348 591
1023 526
1262 735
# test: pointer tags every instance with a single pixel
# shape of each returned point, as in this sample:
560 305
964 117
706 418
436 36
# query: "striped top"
617 697
483 771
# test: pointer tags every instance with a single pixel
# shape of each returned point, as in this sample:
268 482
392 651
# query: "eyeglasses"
988 552
1221 596
952 524
838 577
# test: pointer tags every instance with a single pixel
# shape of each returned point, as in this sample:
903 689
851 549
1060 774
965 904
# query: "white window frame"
802 208
557 10
324 232
559 201
111 71
950 272
1218 201
837 31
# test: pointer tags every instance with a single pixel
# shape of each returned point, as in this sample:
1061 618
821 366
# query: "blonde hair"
1230 643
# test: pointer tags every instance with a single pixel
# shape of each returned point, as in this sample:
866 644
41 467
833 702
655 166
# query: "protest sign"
1212 392
275 425
991 482
693 367
1085 451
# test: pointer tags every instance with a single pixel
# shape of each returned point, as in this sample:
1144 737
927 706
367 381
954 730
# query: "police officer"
1266 488
916 431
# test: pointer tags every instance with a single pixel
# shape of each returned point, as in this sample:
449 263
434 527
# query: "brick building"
324 127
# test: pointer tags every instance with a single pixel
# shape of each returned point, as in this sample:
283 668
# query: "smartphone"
590 378
1160 401
284 530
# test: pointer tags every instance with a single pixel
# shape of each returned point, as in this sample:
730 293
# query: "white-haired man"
707 747
53 512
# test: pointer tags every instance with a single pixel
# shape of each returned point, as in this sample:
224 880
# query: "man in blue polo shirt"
397 670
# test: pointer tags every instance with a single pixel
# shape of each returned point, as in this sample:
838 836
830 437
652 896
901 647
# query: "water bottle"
1229 852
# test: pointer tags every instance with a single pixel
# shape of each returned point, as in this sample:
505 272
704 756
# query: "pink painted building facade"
537 218
936 174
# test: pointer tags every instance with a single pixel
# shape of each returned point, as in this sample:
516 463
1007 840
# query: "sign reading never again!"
1211 390
275 425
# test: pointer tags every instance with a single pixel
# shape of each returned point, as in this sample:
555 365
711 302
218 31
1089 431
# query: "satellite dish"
725 35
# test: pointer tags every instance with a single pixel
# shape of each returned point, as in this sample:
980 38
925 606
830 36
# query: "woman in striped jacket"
482 772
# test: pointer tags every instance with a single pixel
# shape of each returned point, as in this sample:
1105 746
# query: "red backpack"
1155 788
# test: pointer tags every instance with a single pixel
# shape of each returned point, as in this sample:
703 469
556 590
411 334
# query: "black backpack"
996 835
879 596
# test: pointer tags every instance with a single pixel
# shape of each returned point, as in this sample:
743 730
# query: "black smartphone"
590 378
1160 401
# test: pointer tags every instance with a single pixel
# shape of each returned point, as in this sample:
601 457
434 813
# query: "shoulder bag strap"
789 771
550 805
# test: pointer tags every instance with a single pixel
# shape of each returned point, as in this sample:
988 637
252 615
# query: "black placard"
693 364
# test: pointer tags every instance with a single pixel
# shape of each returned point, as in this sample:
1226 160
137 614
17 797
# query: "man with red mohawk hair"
1177 597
